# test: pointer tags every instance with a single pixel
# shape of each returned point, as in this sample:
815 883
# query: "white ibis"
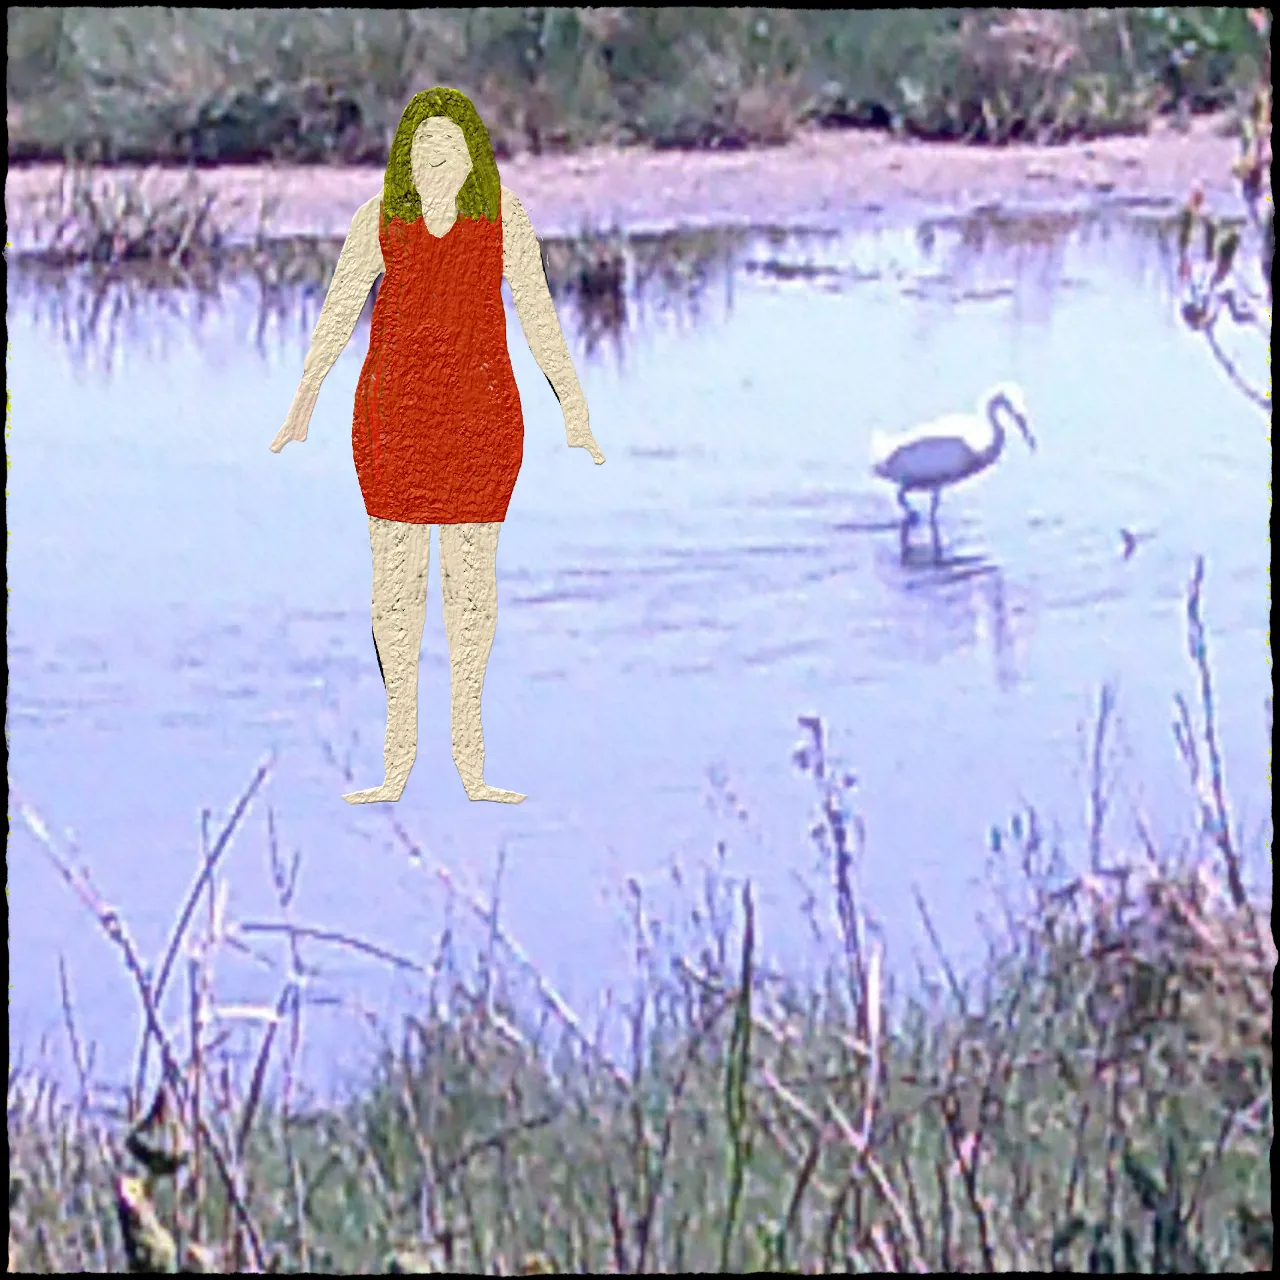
949 449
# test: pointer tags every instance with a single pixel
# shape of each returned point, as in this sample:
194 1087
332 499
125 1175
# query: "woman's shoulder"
364 238
367 219
510 203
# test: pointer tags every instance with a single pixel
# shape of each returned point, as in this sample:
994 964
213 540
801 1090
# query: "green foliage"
1153 1231
1201 53
1109 1138
330 84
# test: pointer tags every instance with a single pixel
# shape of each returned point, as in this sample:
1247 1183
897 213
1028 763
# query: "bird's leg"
908 511
933 507
935 536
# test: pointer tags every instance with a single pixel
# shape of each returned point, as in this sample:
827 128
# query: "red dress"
438 434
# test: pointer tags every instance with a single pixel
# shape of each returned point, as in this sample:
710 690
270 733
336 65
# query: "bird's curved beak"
1025 428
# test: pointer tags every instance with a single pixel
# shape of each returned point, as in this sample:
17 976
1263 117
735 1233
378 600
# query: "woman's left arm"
522 266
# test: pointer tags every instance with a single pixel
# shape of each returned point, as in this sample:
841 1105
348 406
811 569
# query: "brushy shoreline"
212 86
820 179
173 141
1097 1096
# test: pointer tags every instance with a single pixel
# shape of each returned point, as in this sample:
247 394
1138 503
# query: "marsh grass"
202 85
110 221
1096 1095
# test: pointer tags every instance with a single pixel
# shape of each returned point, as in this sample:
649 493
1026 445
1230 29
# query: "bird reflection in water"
956 602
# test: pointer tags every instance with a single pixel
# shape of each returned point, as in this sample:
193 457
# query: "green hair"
481 194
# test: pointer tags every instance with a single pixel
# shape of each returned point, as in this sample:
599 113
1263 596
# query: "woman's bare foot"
389 791
486 792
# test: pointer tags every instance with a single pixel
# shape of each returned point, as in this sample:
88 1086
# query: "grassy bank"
164 84
1097 1096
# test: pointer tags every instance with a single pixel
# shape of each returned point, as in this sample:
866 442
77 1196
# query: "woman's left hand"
577 427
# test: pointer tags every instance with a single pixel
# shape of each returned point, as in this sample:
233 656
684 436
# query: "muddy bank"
821 179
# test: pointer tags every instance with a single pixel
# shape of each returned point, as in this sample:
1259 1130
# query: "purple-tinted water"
182 602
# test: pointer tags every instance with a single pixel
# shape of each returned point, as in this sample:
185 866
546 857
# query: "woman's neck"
439 211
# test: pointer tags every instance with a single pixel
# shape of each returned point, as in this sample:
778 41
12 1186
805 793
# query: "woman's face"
438 159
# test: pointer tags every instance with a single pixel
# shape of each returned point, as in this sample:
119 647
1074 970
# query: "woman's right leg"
401 553
469 584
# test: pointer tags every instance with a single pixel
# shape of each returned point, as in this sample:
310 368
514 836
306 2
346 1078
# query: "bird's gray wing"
925 463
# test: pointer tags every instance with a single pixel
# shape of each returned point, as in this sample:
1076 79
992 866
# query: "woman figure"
437 433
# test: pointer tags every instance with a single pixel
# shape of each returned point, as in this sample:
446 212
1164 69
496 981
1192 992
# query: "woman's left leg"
469 575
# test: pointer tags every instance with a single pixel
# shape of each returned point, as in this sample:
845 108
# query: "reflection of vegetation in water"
789 258
1025 254
590 273
607 286
674 271
600 283
93 310
292 278
609 280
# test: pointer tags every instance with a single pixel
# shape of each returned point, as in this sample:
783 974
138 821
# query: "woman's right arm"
359 265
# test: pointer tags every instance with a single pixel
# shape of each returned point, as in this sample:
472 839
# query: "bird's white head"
1008 397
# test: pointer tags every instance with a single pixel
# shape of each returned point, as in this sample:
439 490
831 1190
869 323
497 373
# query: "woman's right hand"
299 419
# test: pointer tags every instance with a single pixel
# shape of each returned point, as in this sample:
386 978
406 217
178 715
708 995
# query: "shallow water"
183 602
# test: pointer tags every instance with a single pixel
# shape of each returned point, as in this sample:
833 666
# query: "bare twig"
1097 789
1216 816
1228 366
208 866
338 938
77 1054
953 982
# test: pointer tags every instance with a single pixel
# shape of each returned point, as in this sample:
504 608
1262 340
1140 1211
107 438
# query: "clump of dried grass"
108 219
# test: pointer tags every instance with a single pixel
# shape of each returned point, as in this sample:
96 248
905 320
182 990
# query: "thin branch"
1220 819
209 865
1263 401
1097 789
